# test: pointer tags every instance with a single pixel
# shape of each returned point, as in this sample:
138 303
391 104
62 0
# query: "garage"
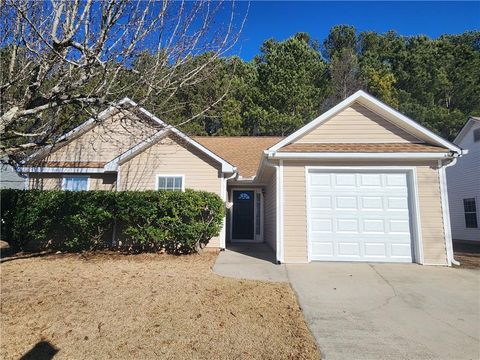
359 215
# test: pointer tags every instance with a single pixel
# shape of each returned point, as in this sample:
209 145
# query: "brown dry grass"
144 307
468 260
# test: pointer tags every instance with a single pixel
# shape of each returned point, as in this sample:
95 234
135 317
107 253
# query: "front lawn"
145 306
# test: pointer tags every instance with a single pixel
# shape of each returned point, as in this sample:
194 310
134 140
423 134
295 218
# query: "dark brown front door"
243 224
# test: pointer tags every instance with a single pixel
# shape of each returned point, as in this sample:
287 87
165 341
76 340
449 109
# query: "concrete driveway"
390 311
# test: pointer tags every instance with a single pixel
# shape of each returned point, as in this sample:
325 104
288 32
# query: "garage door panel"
399 226
370 180
321 202
347 226
401 250
397 203
375 249
359 217
322 225
371 203
346 202
373 226
394 180
324 248
321 180
349 180
349 249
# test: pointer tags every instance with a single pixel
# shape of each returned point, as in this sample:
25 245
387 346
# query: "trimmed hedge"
177 222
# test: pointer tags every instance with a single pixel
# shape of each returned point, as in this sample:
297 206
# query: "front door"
243 222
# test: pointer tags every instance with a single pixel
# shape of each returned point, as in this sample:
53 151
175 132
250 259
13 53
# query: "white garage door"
361 216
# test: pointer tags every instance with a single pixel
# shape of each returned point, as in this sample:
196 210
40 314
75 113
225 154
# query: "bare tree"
73 57
346 76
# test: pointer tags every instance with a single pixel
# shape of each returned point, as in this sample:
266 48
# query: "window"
476 135
243 196
170 182
470 209
75 183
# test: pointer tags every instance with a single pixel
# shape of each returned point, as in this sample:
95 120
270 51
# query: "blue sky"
280 20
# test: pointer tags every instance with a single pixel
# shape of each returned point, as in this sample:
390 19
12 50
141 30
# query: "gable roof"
243 151
380 108
165 130
466 128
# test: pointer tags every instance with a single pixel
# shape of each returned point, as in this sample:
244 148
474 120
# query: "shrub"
177 222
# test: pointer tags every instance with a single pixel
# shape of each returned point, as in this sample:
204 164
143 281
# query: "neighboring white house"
464 185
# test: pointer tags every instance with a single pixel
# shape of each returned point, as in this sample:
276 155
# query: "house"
361 182
9 178
464 185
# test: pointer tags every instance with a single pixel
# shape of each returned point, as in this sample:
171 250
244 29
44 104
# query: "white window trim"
75 176
256 238
414 207
470 212
170 175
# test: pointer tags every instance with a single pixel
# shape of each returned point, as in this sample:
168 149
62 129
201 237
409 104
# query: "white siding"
463 181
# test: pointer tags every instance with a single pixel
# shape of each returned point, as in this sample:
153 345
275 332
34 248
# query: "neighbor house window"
476 135
75 183
470 209
170 182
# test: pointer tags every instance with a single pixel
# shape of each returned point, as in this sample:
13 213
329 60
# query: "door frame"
413 204
256 238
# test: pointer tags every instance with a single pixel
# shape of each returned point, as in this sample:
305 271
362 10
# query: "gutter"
224 195
337 155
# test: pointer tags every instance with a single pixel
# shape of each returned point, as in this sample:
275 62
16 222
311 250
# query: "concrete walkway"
250 261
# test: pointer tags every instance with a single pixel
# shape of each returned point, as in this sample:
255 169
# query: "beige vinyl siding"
294 213
167 157
270 212
357 124
105 141
54 181
430 202
295 217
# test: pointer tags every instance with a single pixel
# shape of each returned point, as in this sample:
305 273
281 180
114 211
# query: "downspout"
224 198
446 211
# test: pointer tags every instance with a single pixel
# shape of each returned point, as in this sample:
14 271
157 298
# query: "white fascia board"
369 101
112 165
336 155
61 170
